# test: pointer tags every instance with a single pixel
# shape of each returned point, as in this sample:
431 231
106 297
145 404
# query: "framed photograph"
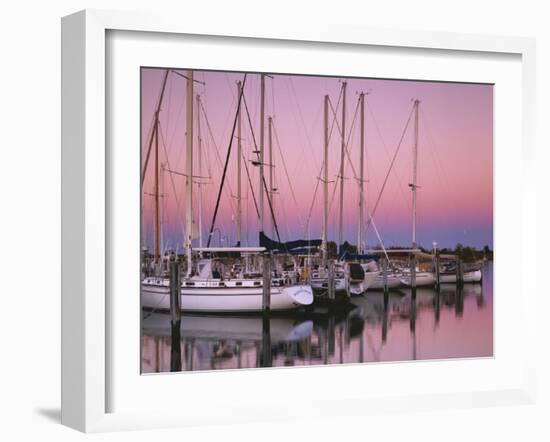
257 214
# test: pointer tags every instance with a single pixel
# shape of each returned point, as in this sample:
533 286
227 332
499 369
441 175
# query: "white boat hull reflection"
238 328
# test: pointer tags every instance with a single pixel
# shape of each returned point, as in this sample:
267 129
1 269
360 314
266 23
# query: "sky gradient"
455 157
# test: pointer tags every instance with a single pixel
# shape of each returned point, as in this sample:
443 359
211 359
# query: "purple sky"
455 157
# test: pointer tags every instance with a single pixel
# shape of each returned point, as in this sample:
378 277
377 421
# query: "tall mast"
162 206
361 176
157 217
342 158
189 172
262 117
199 151
269 126
415 159
325 185
239 165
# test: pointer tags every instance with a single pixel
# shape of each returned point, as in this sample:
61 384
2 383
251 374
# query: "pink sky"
455 156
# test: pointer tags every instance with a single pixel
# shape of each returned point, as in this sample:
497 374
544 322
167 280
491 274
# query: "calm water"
455 324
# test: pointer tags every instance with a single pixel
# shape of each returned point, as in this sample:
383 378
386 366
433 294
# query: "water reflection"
452 322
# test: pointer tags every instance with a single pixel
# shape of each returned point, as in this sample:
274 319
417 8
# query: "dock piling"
239 354
189 349
413 276
175 346
266 358
323 345
385 318
412 323
437 305
385 274
459 271
459 301
175 314
437 270
266 292
330 281
175 288
331 335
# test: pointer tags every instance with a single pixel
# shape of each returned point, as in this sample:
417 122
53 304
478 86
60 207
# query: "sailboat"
382 278
360 274
447 275
393 281
216 289
450 278
320 275
360 278
319 278
421 278
208 287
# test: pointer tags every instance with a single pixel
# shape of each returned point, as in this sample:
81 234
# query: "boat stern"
300 294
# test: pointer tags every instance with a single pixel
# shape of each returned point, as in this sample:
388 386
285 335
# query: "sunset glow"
455 158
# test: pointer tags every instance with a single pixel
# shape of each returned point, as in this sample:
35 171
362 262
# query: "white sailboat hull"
474 276
394 282
224 299
423 279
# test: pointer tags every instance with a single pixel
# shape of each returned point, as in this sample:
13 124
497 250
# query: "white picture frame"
86 200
